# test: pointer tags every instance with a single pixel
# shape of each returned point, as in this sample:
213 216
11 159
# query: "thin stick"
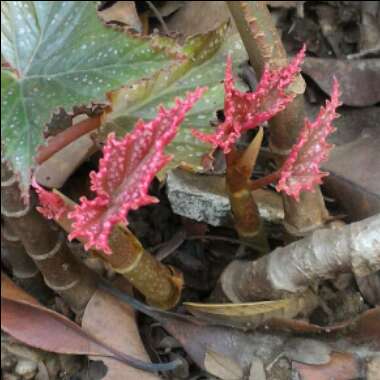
66 137
264 181
159 17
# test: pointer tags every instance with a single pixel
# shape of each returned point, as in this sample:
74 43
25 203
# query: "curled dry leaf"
250 315
26 320
113 323
121 12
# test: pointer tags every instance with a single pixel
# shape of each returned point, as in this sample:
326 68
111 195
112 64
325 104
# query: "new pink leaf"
245 111
52 205
301 170
125 172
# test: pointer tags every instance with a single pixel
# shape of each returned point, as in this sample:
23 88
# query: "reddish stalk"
66 137
264 181
264 46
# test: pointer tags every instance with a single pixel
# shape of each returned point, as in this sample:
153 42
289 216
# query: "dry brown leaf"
352 181
363 329
342 366
113 322
222 366
26 320
10 290
308 351
122 12
247 315
359 81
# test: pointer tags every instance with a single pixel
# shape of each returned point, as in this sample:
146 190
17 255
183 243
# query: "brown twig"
264 181
66 137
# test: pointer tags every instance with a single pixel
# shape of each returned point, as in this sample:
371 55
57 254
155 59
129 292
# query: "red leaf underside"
52 205
245 111
301 170
125 172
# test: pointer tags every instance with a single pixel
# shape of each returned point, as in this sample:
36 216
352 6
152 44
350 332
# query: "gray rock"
203 198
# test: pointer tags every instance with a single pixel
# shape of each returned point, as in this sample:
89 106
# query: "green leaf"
61 55
204 66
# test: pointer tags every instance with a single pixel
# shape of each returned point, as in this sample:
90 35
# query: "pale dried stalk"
61 272
292 269
264 46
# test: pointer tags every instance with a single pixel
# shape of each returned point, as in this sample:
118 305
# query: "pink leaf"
125 172
52 205
245 111
301 170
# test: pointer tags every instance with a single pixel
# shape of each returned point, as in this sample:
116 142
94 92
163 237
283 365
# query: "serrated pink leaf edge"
125 172
301 170
244 111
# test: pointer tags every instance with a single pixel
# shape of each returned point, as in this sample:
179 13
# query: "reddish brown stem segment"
24 270
160 284
264 181
66 137
61 272
246 215
264 46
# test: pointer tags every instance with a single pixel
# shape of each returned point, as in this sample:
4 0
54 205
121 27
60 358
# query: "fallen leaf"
121 12
309 351
113 322
10 290
362 329
26 320
342 366
352 181
247 315
359 80
187 21
222 366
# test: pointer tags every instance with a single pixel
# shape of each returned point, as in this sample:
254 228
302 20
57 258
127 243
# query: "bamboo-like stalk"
245 212
160 284
292 269
264 46
47 248
24 270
